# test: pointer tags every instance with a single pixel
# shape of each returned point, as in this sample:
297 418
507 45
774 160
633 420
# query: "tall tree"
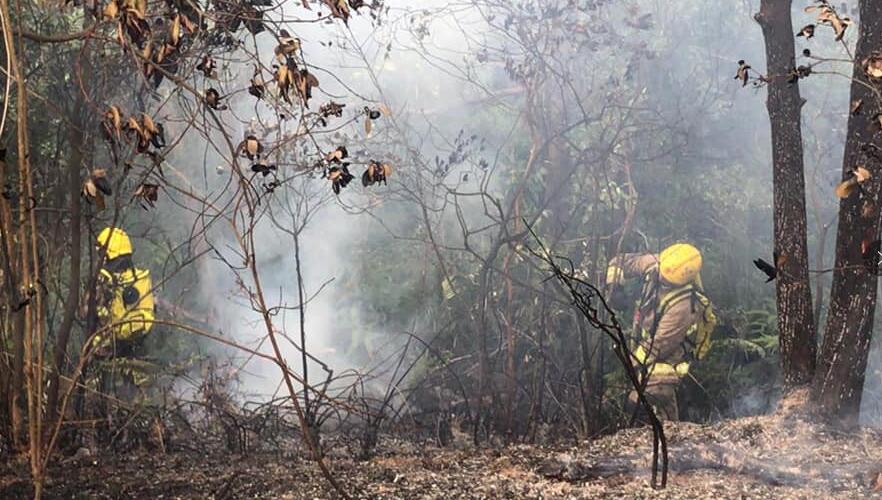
796 322
839 379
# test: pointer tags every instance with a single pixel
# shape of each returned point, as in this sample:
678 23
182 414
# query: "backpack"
698 336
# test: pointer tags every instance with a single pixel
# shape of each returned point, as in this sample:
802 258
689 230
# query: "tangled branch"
589 301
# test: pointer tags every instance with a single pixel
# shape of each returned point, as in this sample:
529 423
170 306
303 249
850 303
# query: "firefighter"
673 320
124 305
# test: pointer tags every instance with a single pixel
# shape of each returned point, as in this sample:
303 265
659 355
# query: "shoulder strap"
673 297
649 290
677 295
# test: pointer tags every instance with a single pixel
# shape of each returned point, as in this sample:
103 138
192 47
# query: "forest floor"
783 455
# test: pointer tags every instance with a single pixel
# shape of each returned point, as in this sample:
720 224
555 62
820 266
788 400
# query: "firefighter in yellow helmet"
673 319
124 303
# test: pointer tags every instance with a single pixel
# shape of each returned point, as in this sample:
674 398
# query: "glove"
614 275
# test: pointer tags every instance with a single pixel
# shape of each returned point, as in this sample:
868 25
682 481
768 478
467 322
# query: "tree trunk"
839 379
16 375
796 323
76 139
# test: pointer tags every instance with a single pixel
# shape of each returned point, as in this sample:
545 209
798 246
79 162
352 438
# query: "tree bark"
72 302
838 383
16 376
796 322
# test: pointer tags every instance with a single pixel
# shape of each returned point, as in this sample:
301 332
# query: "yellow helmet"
680 264
116 241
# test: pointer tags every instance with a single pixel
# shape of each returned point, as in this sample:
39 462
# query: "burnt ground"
784 455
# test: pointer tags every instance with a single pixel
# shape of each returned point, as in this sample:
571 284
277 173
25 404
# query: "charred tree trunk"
839 379
796 323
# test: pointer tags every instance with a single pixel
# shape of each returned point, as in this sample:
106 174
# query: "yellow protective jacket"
127 302
673 322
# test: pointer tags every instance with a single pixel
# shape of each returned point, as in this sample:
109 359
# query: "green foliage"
740 374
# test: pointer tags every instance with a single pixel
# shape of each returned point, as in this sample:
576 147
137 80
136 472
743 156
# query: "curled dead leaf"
96 187
251 147
807 31
112 123
376 173
331 109
339 177
288 45
175 32
872 65
147 194
111 10
855 178
339 8
743 72
337 155
827 15
861 174
207 67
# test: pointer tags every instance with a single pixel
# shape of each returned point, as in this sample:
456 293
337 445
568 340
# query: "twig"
585 303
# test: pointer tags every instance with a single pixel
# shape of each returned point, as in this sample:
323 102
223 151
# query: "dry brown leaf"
147 51
807 31
376 173
283 80
147 193
828 16
861 174
872 65
251 147
368 126
189 25
846 188
743 72
337 155
287 45
96 186
112 123
89 188
115 117
111 10
339 8
133 125
176 29
149 125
